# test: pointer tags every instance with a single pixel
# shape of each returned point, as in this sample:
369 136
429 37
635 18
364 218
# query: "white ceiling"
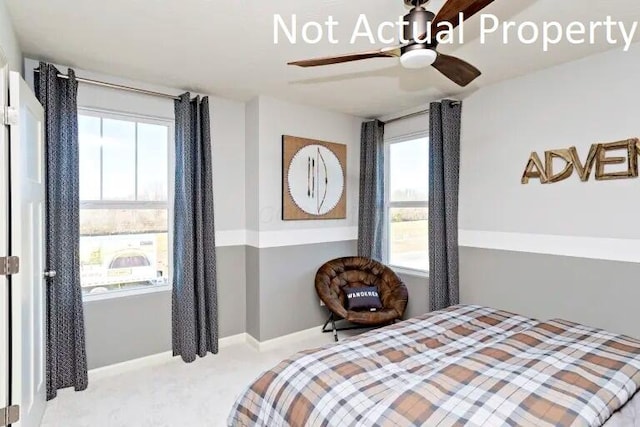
225 47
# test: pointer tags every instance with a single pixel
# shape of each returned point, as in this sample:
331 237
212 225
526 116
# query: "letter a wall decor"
313 179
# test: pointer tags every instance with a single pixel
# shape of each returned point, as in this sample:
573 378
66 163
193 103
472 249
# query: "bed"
467 365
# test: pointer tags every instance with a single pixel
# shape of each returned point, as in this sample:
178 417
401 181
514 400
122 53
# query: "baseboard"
284 340
167 356
232 340
130 365
154 359
253 342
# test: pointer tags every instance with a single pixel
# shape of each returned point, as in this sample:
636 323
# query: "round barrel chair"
353 272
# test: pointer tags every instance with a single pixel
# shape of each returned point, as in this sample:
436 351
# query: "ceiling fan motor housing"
417 23
412 3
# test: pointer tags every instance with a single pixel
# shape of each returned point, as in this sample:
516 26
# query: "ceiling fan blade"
456 70
349 57
450 12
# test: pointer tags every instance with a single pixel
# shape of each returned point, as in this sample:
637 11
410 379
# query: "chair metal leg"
324 328
335 331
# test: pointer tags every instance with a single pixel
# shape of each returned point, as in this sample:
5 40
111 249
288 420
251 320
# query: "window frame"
138 204
388 204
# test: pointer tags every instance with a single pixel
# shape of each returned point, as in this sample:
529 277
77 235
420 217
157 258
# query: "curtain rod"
407 116
117 86
417 113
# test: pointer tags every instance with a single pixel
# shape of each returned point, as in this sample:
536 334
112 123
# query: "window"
407 202
124 209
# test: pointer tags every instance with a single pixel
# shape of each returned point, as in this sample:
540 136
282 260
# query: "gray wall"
575 104
126 328
232 297
602 294
253 291
418 288
288 300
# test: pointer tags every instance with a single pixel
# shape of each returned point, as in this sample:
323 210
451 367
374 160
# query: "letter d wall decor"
602 156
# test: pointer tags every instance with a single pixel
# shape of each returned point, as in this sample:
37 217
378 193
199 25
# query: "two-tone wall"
283 256
129 327
569 249
266 266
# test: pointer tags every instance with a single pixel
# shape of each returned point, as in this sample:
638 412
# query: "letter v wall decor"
313 179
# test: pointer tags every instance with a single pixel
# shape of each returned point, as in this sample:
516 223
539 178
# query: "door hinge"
9 116
9 265
9 415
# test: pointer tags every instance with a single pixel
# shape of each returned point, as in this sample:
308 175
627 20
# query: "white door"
28 385
4 242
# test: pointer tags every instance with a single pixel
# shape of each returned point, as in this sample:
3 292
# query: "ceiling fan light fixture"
418 58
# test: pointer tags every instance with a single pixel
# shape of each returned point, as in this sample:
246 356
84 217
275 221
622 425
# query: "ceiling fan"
420 55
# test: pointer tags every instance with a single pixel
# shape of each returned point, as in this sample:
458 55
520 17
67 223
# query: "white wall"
575 104
227 134
252 162
408 126
8 40
277 118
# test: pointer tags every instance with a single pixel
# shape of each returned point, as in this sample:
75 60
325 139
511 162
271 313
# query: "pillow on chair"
362 298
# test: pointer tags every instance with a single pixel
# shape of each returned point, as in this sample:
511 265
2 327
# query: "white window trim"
404 271
388 205
139 118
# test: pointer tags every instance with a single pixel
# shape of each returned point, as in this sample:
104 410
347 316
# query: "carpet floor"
170 392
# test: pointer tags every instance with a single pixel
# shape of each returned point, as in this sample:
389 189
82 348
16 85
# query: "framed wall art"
313 179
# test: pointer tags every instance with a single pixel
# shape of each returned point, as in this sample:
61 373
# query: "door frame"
5 307
27 234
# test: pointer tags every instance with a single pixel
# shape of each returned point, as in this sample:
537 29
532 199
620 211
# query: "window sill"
125 293
410 272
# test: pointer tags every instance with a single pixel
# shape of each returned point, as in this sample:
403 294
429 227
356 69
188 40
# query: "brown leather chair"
353 272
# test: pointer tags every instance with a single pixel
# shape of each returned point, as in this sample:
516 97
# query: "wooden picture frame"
314 179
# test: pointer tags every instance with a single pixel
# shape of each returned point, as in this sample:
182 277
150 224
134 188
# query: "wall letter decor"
534 170
600 155
313 179
563 154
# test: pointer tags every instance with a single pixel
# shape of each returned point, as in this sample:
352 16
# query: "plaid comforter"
467 365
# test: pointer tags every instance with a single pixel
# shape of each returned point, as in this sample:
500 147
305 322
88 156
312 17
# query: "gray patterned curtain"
444 171
66 352
371 207
195 302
